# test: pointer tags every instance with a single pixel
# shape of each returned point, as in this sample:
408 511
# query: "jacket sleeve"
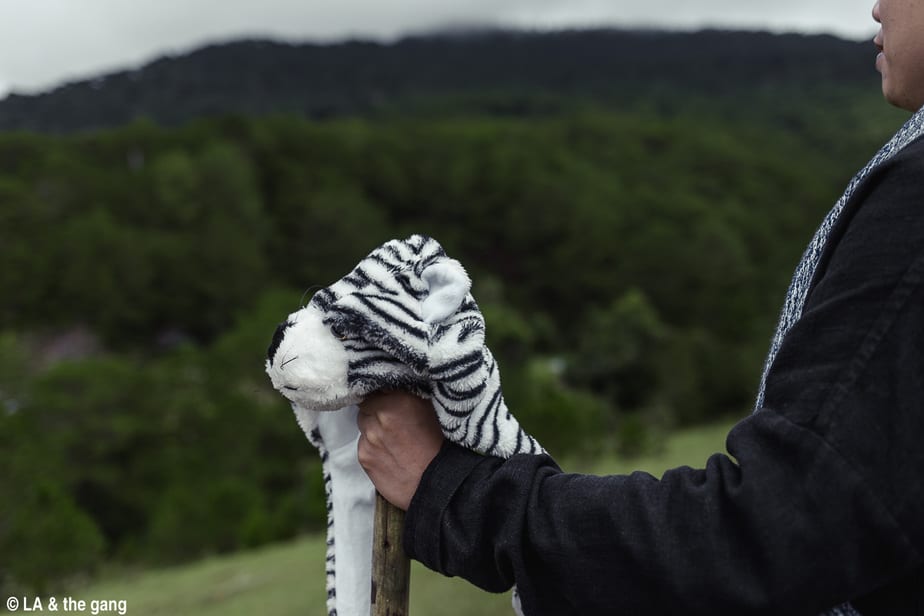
821 501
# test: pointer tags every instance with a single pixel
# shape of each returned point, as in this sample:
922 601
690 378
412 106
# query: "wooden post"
391 568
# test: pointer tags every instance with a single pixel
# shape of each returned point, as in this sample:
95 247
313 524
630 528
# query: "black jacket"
824 504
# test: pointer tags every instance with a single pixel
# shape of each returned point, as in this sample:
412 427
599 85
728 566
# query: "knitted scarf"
805 270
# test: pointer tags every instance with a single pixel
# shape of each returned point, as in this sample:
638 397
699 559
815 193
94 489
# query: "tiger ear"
448 285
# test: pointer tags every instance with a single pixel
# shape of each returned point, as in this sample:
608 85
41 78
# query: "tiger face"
307 364
375 329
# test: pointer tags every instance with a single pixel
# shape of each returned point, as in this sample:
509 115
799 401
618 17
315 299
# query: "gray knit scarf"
805 271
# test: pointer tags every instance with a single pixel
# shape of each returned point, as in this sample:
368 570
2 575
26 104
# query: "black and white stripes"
377 309
402 319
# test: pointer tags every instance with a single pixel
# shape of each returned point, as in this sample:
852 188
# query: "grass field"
288 579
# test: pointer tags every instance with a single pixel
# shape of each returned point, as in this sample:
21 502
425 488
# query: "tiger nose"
277 340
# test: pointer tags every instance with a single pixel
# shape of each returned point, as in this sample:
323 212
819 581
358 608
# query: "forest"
479 71
630 260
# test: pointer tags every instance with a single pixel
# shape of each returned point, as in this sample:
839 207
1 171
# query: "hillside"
495 72
629 205
286 579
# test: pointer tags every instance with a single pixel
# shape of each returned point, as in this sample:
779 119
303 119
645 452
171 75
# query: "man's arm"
789 530
823 504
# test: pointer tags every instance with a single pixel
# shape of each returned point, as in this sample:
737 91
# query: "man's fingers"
370 430
367 420
373 439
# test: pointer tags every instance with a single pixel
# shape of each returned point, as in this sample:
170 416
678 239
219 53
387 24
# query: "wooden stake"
391 568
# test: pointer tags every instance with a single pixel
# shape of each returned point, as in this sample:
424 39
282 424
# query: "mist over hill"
493 72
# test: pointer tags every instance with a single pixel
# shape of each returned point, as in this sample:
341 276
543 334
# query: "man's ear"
448 285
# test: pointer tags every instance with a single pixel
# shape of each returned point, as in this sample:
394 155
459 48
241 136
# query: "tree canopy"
630 258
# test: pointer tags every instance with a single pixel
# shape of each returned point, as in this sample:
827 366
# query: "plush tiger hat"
402 319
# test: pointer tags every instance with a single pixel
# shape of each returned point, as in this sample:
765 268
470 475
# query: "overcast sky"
46 42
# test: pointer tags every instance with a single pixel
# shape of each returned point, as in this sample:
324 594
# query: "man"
823 509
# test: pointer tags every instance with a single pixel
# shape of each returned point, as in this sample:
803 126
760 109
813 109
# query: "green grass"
690 447
288 579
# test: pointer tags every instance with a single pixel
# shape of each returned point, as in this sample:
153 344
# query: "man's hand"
399 437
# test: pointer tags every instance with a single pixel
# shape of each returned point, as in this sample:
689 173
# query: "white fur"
353 499
310 365
448 284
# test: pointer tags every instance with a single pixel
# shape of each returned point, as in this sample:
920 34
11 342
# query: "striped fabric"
376 310
402 319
